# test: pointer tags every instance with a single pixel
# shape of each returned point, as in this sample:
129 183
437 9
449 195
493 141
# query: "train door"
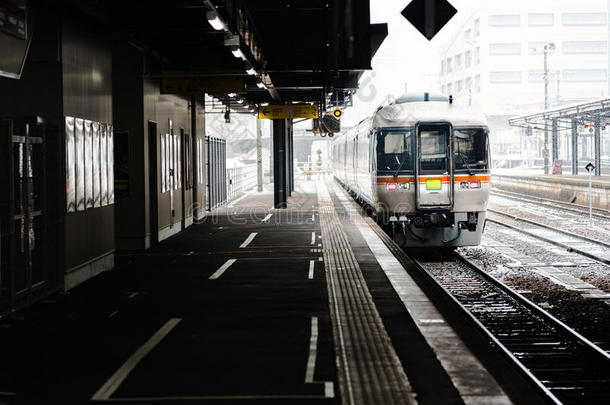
434 171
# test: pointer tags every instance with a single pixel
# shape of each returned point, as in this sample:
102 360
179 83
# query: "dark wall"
161 108
87 93
131 219
38 93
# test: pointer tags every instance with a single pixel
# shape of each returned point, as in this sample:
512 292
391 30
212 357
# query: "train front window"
470 148
433 148
395 151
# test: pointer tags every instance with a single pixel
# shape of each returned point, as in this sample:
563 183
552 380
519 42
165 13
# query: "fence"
216 187
240 180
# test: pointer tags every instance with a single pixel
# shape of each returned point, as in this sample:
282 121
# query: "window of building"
505 49
477 55
467 59
505 77
585 75
459 86
477 84
449 88
443 67
537 48
582 47
540 20
583 19
468 84
535 76
476 26
444 89
449 65
506 20
468 35
458 62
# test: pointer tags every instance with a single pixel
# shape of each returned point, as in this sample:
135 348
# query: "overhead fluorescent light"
215 21
238 53
251 72
261 85
232 94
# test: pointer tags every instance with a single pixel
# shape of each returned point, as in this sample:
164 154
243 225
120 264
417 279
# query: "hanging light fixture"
215 21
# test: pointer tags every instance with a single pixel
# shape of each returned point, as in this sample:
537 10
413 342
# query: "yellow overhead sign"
278 112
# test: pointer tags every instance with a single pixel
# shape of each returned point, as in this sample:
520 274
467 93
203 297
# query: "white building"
494 60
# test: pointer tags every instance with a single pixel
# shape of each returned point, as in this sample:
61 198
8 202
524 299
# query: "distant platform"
564 187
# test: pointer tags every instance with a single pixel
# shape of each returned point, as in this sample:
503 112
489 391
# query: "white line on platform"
329 392
113 313
222 269
248 240
313 349
313 238
311 264
267 218
119 376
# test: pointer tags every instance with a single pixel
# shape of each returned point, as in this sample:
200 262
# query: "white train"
421 166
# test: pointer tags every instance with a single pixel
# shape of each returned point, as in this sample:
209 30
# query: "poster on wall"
103 166
163 163
70 162
79 144
178 162
200 160
88 165
168 164
175 161
95 133
110 154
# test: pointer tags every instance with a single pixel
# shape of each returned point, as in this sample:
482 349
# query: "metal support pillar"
259 156
555 138
574 147
598 148
195 173
279 163
290 143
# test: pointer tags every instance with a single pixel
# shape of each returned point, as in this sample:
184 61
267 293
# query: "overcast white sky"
405 57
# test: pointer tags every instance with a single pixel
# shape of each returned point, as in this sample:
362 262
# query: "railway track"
575 208
564 366
591 248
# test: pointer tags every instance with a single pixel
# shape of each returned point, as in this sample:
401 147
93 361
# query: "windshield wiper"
461 155
399 167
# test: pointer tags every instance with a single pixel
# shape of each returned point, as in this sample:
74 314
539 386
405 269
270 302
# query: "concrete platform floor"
232 310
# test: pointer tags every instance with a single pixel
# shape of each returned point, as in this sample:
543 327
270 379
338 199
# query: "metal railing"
240 180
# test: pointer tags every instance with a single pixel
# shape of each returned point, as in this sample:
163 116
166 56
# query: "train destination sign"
278 112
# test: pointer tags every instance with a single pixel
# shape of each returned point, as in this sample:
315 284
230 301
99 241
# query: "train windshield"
470 148
395 151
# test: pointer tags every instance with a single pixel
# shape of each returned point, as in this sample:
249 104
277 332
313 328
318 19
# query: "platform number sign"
429 16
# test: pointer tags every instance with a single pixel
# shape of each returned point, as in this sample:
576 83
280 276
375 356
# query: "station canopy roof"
258 51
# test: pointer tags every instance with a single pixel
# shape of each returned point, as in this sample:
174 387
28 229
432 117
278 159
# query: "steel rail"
554 242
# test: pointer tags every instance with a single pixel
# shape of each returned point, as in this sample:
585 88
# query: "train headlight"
392 186
404 186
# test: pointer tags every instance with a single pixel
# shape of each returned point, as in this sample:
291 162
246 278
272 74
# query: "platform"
566 188
253 305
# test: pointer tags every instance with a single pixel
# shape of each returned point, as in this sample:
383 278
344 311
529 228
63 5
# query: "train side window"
470 150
